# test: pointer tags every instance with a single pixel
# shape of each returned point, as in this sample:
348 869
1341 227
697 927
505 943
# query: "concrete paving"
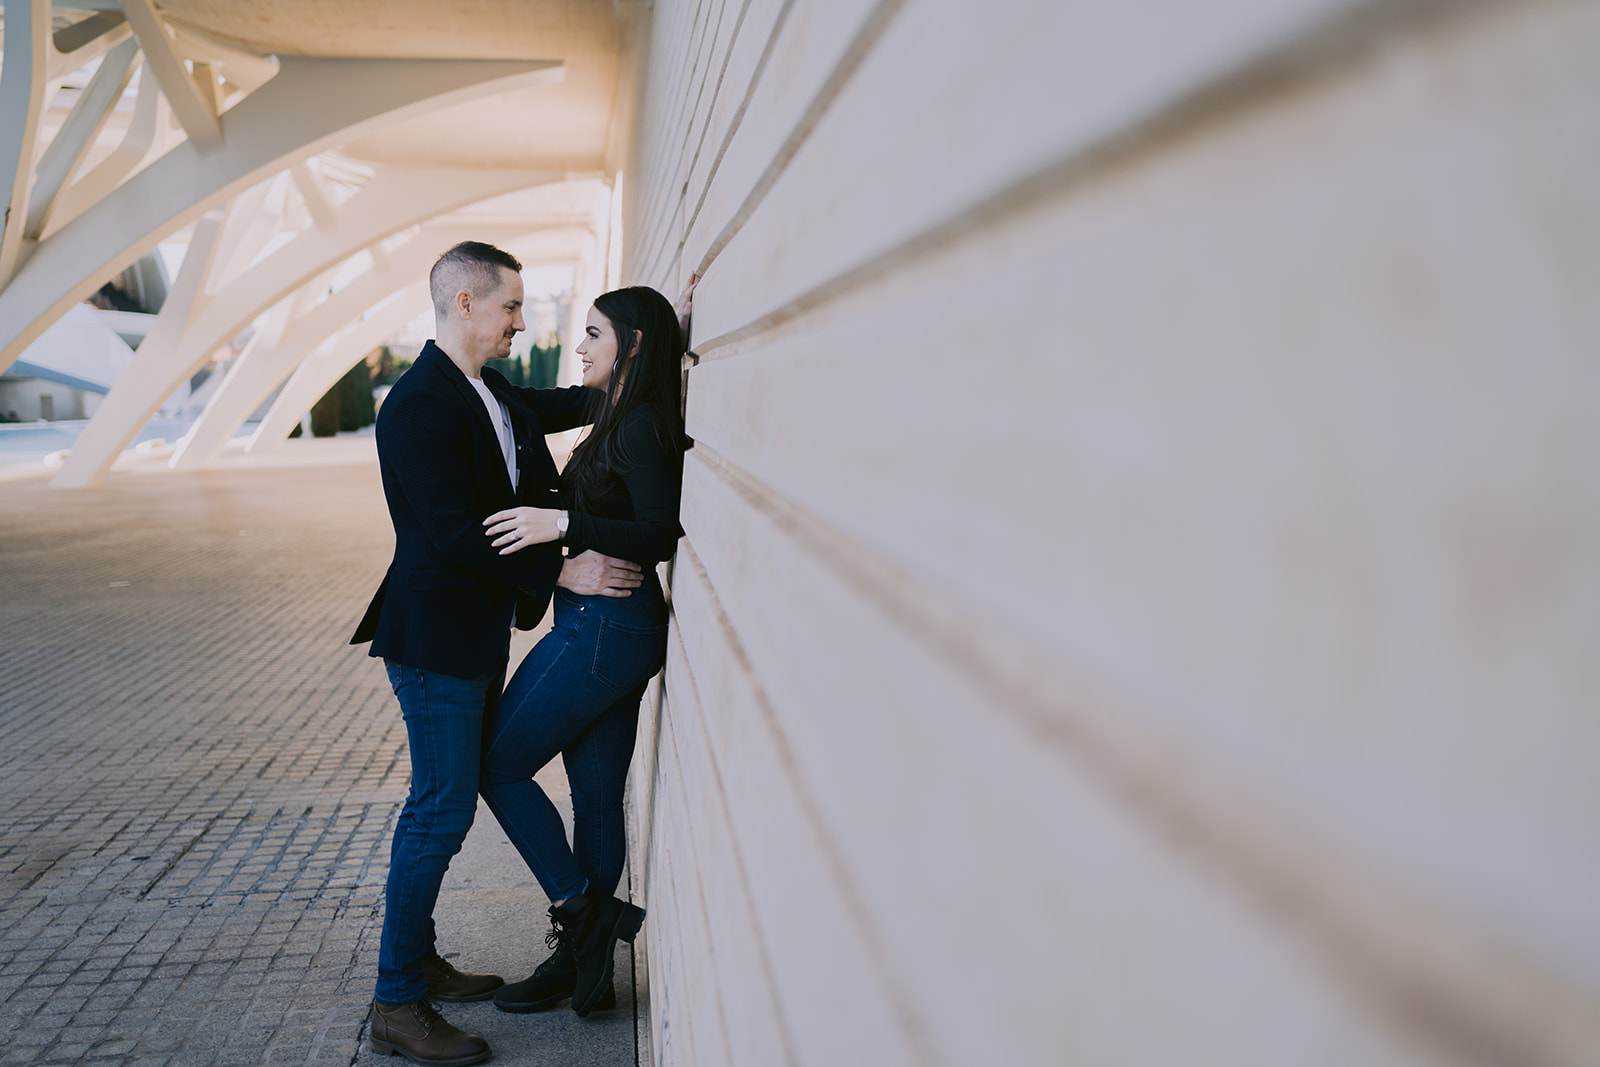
199 780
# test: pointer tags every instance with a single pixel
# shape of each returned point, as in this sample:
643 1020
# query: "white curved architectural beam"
313 193
248 228
267 363
246 70
36 62
393 200
22 100
66 152
74 46
195 107
138 141
312 104
188 288
324 366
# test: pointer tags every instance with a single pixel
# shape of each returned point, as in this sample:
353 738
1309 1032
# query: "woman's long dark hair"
647 375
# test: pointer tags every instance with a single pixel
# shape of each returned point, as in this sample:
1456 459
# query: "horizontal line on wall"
699 888
1326 49
644 815
642 879
670 957
1427 973
832 86
910 1023
763 951
668 166
678 187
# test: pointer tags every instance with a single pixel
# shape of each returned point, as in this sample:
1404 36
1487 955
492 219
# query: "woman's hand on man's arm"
517 528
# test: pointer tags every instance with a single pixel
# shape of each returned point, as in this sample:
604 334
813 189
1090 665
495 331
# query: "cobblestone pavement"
198 777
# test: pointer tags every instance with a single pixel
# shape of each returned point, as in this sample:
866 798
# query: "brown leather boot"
450 986
420 1034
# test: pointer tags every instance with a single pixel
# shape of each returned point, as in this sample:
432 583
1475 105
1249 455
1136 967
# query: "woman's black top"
635 516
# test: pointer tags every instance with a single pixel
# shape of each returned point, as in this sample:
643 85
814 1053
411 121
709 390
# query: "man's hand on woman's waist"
591 574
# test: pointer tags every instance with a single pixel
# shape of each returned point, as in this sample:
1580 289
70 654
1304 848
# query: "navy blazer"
449 599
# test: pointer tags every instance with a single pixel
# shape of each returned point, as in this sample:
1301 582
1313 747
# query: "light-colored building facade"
1141 574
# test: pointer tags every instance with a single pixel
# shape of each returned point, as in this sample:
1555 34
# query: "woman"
577 693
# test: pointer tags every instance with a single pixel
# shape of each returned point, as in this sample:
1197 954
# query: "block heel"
595 923
629 922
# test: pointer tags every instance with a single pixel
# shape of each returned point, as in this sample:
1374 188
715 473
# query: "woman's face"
598 350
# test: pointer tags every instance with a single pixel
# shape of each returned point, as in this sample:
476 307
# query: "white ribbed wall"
1141 600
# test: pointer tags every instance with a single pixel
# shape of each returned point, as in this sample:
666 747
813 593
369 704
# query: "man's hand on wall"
592 574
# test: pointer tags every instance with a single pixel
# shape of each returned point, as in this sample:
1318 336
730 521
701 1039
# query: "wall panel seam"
763 950
651 268
1326 50
679 177
653 828
843 70
699 890
1461 989
678 1016
649 820
653 112
906 1014
768 47
733 125
672 139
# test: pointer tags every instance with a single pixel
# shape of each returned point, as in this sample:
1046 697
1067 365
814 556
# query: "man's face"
496 318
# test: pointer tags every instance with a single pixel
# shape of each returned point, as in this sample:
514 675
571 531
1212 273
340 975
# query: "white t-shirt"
500 418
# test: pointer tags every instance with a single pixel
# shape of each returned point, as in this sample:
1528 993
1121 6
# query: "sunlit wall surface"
1142 582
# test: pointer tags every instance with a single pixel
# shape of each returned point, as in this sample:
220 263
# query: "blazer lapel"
474 402
534 465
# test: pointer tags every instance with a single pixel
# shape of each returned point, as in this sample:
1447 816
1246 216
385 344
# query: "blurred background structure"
1141 590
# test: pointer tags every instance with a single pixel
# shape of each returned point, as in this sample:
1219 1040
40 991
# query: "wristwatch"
561 526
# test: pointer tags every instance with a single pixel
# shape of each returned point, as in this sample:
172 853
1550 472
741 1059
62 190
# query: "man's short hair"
470 265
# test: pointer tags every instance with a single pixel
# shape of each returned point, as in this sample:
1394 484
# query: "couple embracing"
487 534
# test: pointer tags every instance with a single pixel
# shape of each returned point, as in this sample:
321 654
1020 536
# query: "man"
457 443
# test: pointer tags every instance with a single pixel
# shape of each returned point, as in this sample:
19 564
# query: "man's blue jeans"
576 695
444 718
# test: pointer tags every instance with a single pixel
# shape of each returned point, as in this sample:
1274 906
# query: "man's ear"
463 303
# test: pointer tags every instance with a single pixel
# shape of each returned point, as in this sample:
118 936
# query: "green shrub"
543 366
355 397
325 414
387 367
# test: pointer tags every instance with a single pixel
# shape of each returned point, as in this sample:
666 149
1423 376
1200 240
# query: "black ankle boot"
552 981
593 924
